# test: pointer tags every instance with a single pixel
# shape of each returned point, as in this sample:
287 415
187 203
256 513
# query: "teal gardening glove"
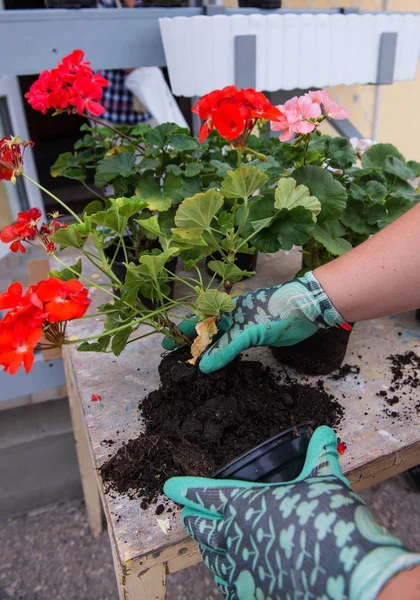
312 538
279 316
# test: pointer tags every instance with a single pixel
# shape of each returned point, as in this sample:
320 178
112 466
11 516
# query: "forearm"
381 276
405 585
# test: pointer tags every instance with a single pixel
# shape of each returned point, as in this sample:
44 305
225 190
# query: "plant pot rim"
258 452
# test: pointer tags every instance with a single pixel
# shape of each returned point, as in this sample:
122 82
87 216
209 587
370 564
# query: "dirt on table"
319 354
196 423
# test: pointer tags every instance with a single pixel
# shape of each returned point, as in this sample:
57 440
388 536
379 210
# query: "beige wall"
399 117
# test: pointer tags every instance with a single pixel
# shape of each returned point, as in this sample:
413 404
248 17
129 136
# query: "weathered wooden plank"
84 457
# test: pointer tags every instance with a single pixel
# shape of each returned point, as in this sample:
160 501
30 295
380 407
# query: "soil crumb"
344 371
196 423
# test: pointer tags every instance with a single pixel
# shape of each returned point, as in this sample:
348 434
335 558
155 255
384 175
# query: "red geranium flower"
21 306
228 121
11 157
25 228
233 113
62 300
71 87
17 343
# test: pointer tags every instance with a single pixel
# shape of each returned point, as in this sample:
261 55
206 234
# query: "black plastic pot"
119 269
418 314
246 262
276 460
320 354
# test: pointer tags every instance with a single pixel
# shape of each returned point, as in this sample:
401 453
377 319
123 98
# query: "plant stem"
306 150
38 185
124 249
92 191
239 158
102 124
80 276
115 254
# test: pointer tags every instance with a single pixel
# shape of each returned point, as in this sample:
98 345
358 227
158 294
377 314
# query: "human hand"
310 538
279 316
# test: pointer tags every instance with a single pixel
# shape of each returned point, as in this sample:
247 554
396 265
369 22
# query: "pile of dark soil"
405 369
405 379
196 423
317 355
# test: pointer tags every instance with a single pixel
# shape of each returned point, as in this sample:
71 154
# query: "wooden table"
147 548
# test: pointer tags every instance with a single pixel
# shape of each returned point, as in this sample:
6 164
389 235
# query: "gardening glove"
310 538
279 316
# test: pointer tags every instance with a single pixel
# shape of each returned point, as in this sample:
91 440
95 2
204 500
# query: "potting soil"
196 423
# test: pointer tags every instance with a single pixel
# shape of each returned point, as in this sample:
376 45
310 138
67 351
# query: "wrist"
405 584
317 306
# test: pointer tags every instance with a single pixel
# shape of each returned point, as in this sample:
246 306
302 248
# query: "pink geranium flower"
331 108
298 116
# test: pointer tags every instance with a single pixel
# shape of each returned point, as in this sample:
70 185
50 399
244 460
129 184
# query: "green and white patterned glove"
279 316
312 538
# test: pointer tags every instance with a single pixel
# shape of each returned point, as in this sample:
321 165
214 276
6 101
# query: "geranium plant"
238 191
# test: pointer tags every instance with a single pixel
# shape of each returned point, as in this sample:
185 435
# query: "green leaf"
73 236
193 169
243 182
355 217
195 214
110 218
100 345
397 167
228 272
151 225
64 167
140 129
376 191
222 168
225 221
280 229
395 207
376 213
329 235
330 193
357 173
127 207
120 165
120 339
404 190
377 155
340 153
191 186
149 189
183 142
93 207
66 274
159 136
358 192
414 166
192 262
172 187
166 222
213 303
172 168
147 277
149 164
288 195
